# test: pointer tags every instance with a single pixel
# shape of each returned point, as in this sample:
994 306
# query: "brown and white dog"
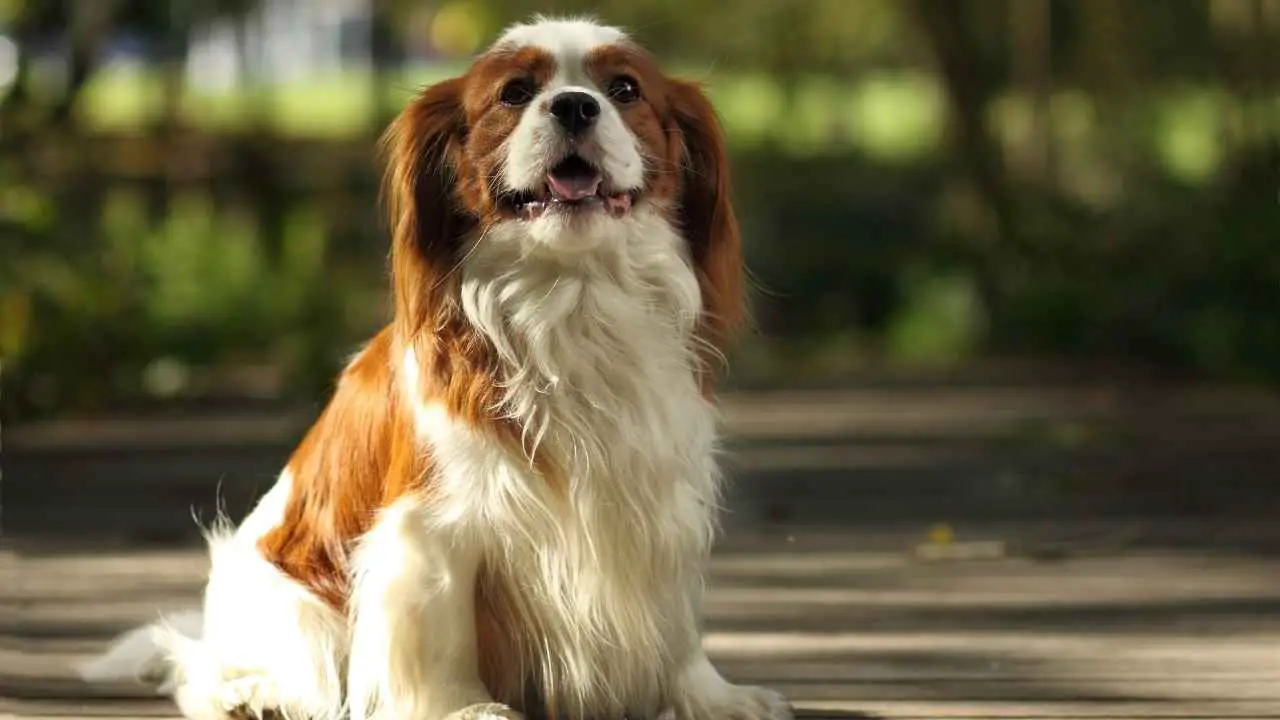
507 505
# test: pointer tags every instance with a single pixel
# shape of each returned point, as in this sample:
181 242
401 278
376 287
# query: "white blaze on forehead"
567 38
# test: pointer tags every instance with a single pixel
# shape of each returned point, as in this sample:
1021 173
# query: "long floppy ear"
420 148
706 214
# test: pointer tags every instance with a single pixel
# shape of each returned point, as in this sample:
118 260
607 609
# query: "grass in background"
123 97
891 117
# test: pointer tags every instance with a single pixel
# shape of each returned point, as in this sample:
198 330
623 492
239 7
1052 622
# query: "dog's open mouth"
573 185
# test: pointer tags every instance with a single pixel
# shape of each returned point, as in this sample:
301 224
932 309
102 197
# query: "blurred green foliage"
920 184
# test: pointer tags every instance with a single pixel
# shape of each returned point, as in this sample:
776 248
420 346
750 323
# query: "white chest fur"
601 365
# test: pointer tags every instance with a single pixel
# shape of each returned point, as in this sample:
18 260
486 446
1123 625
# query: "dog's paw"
745 702
248 697
702 694
485 711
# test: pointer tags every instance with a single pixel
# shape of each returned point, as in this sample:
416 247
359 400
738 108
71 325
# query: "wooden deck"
1042 608
847 624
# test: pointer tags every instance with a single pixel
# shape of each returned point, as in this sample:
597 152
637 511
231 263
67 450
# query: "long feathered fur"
508 502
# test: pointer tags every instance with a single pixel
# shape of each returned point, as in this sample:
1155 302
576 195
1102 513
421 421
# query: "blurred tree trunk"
1224 49
90 27
257 175
175 44
990 238
1244 51
1271 38
174 26
383 56
1107 64
1267 35
15 108
969 90
1259 85
90 23
1031 60
786 57
1105 46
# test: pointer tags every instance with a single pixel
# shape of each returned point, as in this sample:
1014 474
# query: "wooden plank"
842 623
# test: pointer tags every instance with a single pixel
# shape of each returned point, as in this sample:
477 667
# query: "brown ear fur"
706 213
421 147
361 454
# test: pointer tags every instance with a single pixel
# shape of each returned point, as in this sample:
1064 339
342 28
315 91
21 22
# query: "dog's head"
557 136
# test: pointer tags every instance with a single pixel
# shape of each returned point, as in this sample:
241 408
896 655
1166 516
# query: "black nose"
575 111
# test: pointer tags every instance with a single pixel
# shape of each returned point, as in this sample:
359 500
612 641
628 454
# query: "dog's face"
566 133
556 140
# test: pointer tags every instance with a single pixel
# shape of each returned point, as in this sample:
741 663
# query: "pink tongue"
573 188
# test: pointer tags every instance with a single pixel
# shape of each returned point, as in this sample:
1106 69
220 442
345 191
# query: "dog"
507 505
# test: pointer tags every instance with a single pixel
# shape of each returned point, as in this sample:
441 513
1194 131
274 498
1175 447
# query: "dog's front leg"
703 694
413 652
700 692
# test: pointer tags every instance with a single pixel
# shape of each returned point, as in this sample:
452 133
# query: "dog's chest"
592 557
598 565
625 509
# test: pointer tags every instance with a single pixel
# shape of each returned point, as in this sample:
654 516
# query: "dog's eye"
624 90
518 92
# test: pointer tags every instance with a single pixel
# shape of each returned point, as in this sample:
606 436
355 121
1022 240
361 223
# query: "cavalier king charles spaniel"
507 505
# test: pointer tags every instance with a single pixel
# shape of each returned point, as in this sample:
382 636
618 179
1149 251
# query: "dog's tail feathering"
146 654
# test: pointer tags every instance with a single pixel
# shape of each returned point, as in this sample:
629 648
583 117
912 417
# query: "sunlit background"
187 189
1074 203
